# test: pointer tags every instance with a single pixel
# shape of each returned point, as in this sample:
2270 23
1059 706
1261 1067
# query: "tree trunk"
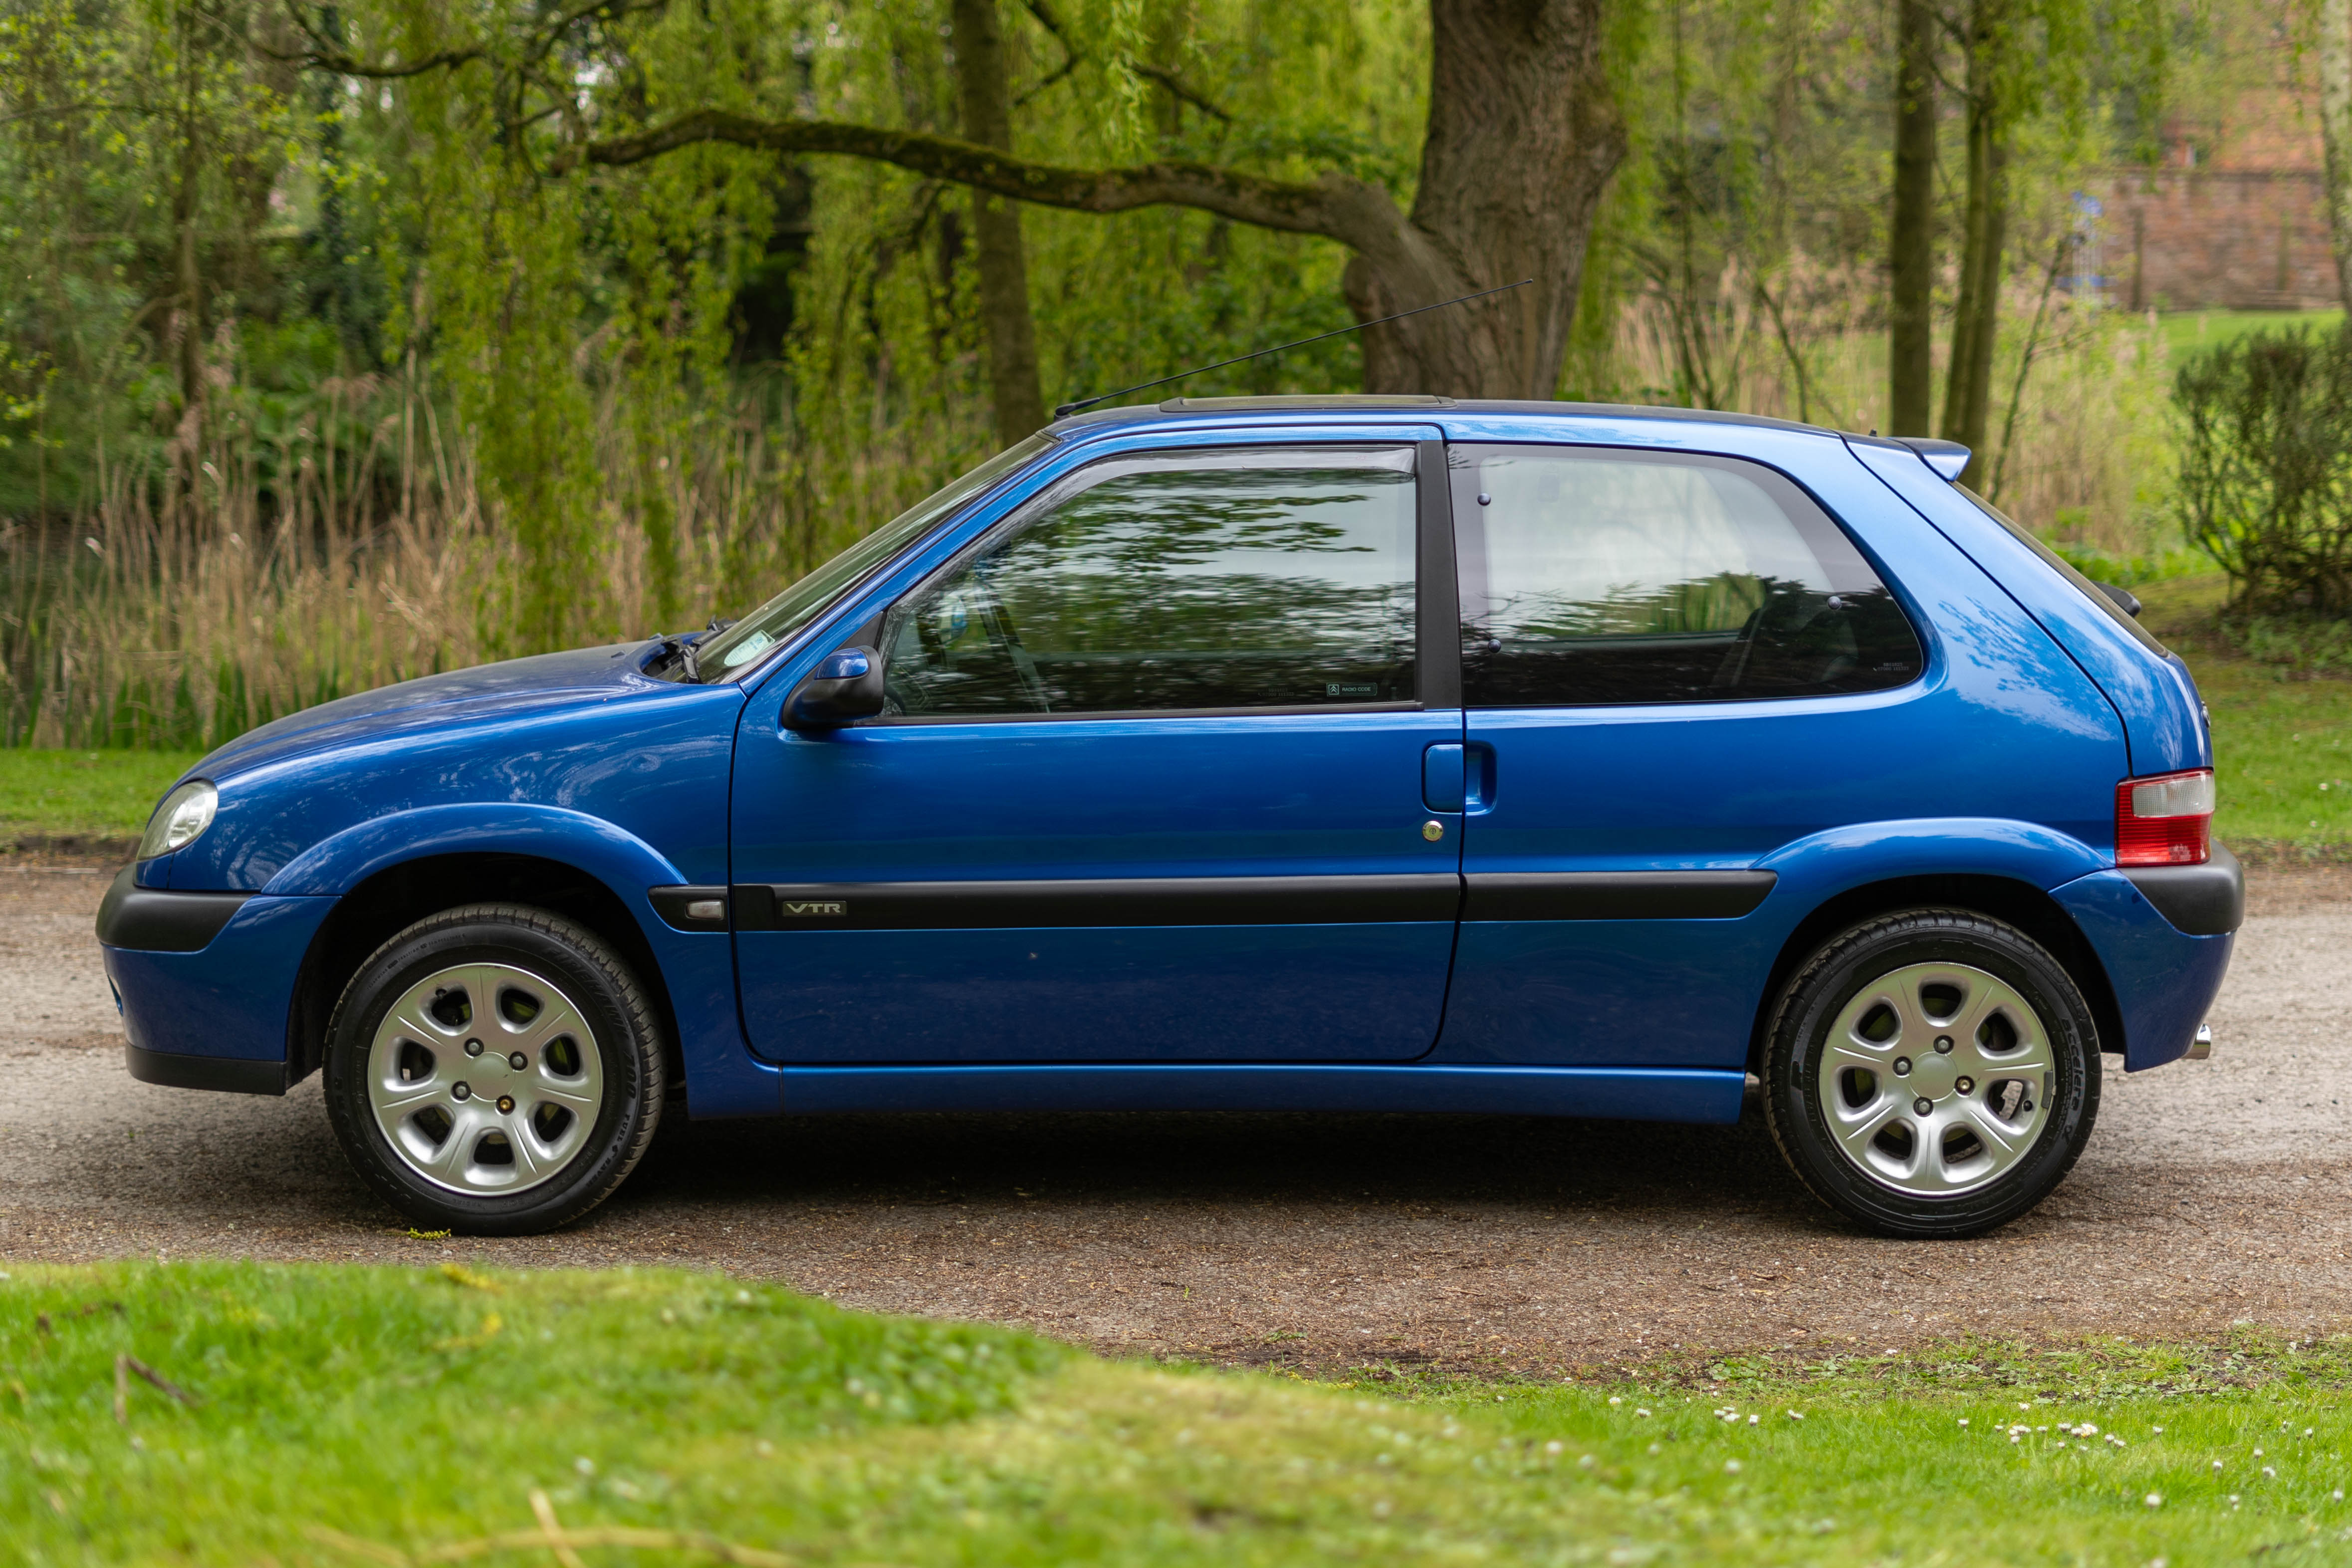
1523 136
1976 320
987 109
188 303
2336 128
1910 348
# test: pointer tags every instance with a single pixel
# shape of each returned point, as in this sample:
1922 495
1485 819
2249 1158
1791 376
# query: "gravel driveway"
2212 1194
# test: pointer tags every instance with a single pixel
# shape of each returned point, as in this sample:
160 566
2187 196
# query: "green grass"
357 1415
2281 744
103 794
2186 332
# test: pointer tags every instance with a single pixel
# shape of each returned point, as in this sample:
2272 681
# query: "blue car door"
1672 664
1149 785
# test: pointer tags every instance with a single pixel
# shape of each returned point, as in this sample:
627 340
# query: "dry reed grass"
235 579
238 579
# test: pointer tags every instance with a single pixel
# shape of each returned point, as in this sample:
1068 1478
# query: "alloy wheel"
485 1079
1937 1078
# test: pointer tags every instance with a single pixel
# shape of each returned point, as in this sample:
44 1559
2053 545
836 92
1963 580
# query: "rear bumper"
213 1015
2164 978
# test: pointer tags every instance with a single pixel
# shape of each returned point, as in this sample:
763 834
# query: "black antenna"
1066 409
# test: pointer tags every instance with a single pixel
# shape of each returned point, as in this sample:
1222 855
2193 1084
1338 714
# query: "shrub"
2265 484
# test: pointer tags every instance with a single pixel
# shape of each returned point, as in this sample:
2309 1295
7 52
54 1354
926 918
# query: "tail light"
2165 820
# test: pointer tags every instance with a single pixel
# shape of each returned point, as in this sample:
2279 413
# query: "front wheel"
494 1070
1932 1074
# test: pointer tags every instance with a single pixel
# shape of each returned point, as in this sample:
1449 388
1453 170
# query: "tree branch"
1337 206
1176 87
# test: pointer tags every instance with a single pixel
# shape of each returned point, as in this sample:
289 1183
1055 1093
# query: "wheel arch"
2017 903
394 896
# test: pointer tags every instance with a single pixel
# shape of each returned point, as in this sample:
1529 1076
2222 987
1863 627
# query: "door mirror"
846 685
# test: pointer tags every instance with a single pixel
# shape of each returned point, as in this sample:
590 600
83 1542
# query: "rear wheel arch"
397 896
2006 899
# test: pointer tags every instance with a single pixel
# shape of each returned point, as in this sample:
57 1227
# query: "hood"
546 682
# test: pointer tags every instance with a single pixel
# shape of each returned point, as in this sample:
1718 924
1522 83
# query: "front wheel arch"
399 896
2006 899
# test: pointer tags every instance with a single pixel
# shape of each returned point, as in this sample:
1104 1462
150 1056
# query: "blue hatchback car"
1373 753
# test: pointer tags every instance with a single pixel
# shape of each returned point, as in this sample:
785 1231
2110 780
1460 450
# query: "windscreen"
741 646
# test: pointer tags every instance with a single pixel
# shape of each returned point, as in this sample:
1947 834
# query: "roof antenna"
1064 410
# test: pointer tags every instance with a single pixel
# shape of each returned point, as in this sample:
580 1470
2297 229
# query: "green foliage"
2282 741
2266 465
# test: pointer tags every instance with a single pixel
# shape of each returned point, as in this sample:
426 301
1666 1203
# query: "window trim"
1087 476
1783 490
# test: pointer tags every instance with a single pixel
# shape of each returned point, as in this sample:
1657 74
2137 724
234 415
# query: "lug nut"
1902 1067
473 1047
1965 1085
506 1105
518 1061
1923 1105
461 1090
1944 1044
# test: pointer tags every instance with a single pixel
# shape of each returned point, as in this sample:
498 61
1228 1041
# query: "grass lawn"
2282 746
350 1416
103 794
2186 331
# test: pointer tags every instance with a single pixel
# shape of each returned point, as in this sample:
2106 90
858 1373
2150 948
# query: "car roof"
1193 409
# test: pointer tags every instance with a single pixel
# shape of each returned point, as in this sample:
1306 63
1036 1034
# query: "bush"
2266 465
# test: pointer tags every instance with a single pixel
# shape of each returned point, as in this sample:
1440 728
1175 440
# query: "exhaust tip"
2202 1046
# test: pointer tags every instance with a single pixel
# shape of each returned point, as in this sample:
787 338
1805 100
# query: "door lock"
1433 830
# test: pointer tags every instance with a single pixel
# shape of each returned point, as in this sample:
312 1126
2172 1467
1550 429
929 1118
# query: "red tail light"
2167 819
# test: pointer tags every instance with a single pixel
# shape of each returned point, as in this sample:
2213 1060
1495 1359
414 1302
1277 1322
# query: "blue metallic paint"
1624 1095
1739 785
2164 980
2155 698
231 998
2000 762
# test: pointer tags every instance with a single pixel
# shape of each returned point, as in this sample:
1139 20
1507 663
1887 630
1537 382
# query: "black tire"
626 1071
1883 956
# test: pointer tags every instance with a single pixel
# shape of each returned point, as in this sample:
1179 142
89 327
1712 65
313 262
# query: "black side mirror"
846 685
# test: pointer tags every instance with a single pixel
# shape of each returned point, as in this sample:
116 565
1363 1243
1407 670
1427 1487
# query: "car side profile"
1344 754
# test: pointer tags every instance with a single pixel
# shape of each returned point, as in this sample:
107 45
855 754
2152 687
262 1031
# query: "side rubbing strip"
1616 896
1116 901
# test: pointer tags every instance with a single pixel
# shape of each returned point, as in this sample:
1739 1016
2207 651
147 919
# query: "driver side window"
1174 582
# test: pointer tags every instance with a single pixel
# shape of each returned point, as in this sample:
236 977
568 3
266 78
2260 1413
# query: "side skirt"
1634 1094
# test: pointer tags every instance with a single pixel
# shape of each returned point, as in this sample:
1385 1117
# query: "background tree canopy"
357 340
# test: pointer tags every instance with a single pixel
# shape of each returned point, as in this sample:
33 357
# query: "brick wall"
2237 239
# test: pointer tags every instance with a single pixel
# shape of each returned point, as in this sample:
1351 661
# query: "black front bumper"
154 921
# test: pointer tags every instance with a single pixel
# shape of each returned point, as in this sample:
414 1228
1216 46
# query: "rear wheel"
495 1069
1932 1074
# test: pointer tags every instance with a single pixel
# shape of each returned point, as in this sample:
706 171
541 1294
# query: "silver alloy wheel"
485 1079
1937 1078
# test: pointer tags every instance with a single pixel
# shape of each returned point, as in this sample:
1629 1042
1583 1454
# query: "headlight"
185 813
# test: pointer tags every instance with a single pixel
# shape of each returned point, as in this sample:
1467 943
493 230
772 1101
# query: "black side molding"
2200 900
154 921
1616 896
689 908
1097 902
234 1075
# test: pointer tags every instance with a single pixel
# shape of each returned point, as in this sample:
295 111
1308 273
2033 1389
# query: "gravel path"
2210 1196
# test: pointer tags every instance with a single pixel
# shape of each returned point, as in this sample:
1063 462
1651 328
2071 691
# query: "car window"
2065 569
1186 581
741 646
1591 577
